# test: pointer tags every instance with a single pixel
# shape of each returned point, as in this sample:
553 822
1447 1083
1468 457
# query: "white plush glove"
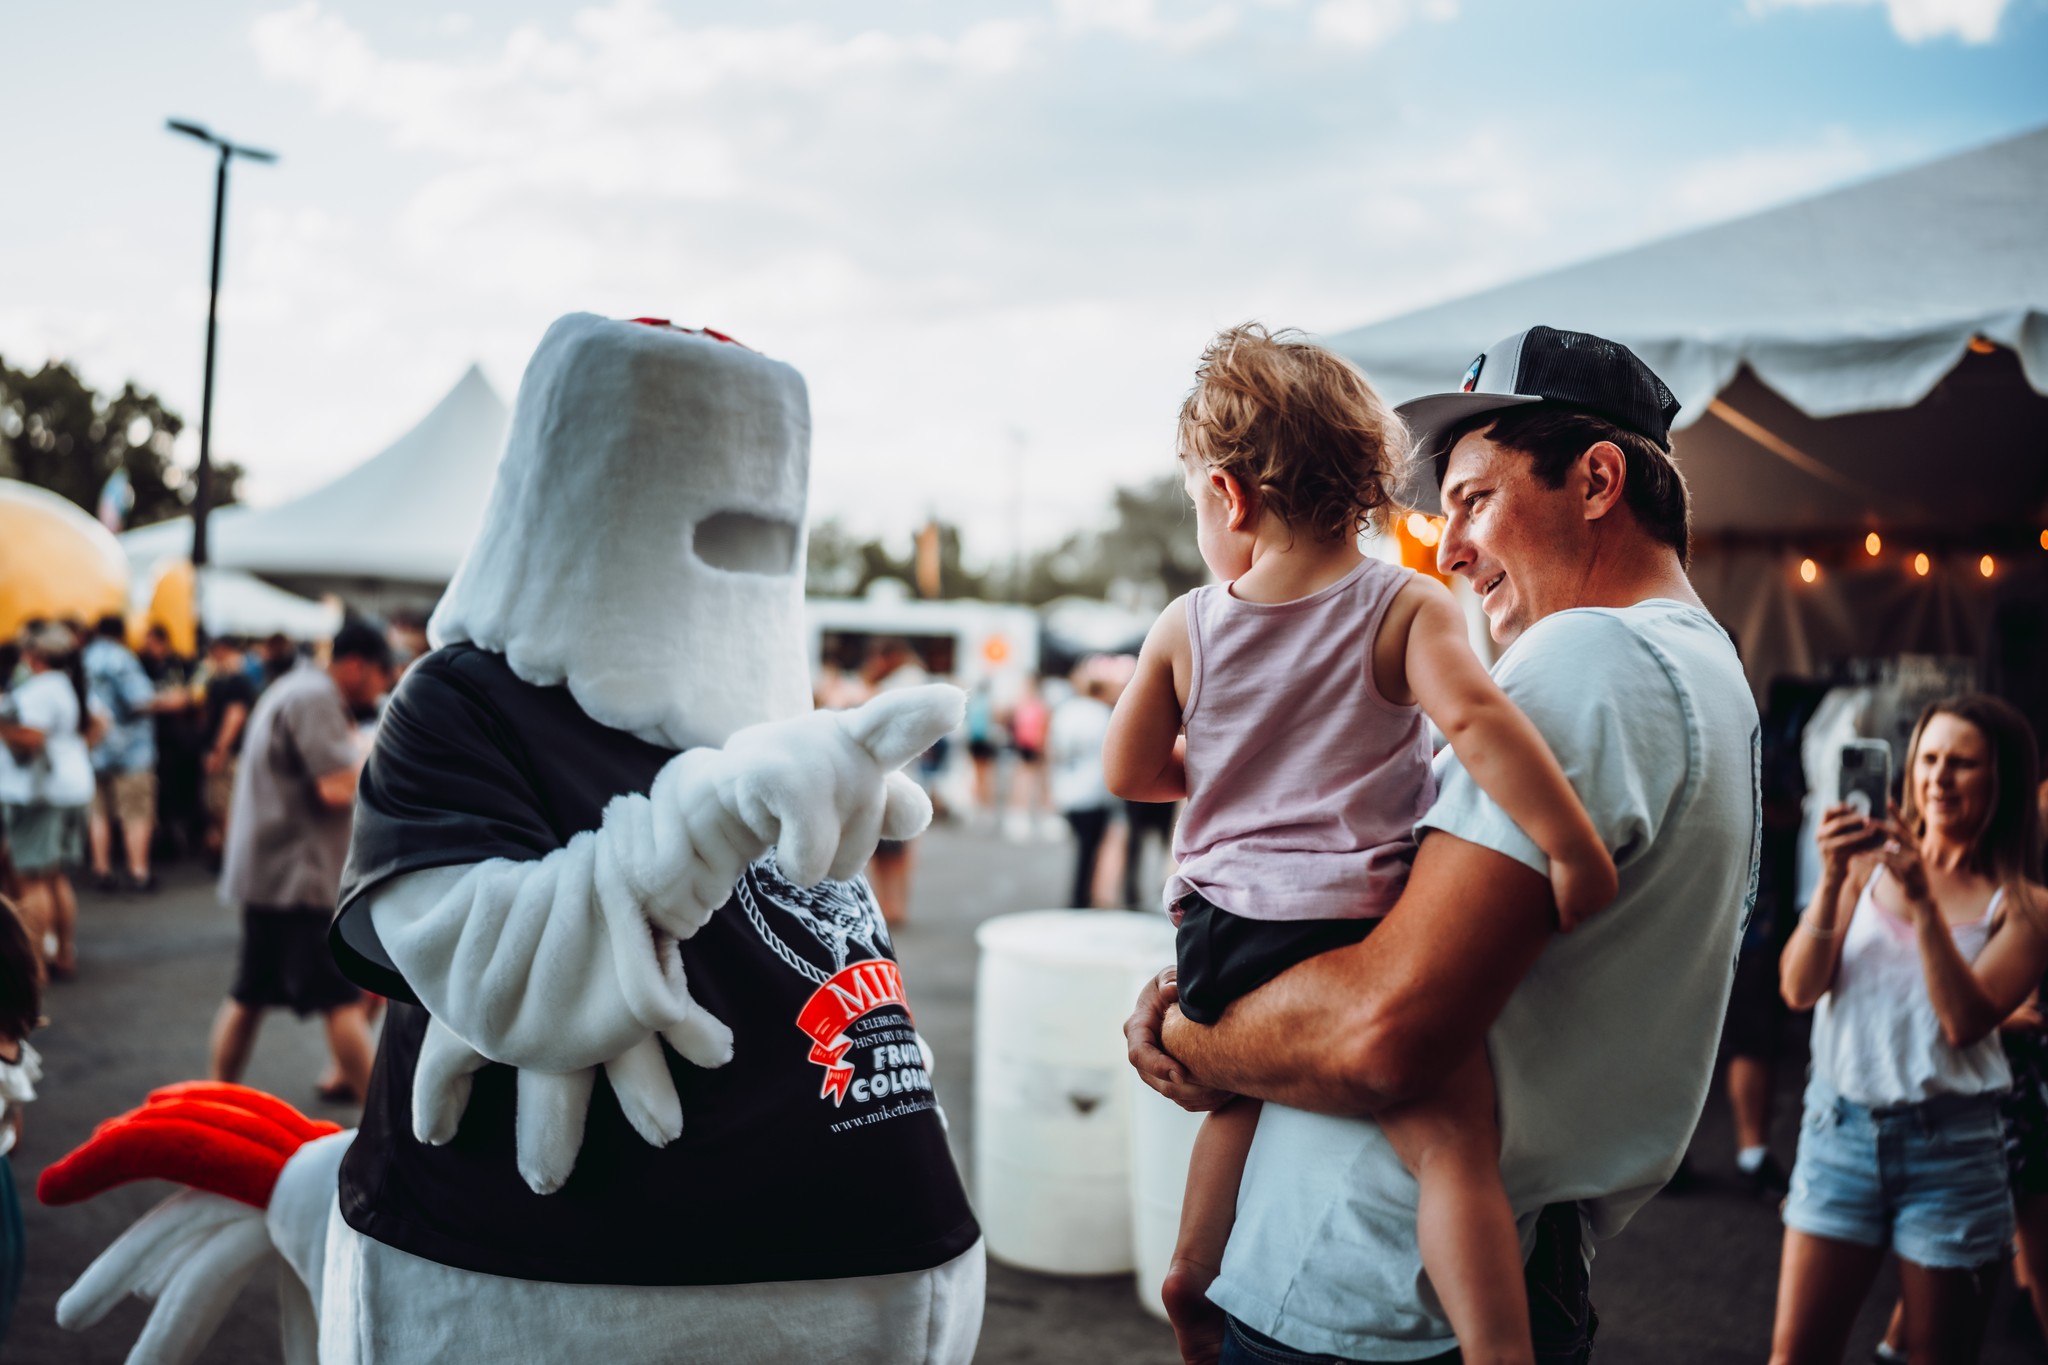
189 1256
821 789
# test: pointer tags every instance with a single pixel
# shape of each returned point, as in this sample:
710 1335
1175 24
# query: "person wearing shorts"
1922 937
288 837
124 762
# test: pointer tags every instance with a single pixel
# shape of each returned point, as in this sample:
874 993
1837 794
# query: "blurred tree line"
58 433
1148 544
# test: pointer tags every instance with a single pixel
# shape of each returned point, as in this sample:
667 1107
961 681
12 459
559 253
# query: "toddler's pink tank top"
1304 784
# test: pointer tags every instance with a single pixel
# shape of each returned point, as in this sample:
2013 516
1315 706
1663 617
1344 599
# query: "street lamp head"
200 131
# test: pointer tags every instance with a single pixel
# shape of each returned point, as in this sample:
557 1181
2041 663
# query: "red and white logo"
852 992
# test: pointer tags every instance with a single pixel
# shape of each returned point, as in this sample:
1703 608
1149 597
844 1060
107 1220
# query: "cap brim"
1430 419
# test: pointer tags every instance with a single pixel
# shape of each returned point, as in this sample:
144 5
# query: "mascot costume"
648 1089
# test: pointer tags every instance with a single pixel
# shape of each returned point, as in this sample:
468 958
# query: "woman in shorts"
1927 931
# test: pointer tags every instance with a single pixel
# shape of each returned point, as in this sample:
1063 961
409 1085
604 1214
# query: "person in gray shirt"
287 839
1567 516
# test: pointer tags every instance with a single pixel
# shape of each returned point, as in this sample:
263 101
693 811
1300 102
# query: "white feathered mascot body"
606 868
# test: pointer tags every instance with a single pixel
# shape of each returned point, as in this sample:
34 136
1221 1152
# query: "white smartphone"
1867 777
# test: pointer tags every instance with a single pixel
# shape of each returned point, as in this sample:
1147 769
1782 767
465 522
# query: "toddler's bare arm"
1505 753
1141 759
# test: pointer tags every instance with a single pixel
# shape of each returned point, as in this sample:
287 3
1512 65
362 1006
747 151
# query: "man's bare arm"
338 788
1358 1029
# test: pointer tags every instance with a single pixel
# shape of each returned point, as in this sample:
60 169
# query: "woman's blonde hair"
1298 426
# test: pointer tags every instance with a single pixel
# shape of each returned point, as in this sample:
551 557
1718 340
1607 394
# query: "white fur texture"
624 439
189 1256
569 963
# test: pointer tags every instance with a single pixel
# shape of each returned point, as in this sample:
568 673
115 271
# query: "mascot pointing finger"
649 1089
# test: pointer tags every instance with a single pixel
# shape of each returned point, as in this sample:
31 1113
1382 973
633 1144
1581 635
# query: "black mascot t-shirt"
816 1153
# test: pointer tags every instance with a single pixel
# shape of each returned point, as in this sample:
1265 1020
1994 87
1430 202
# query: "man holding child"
1568 518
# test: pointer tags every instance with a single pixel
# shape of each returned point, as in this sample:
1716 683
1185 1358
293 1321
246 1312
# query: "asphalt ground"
1691 1282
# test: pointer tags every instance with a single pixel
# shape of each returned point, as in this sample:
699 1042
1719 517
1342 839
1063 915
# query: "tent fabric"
237 603
148 546
1859 300
234 603
407 514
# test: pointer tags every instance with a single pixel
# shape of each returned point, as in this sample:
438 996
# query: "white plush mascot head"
645 538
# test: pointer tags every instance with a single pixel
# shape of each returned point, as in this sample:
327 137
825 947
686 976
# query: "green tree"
1152 539
58 433
839 564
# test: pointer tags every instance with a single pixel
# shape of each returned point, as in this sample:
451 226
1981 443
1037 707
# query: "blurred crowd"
1026 762
118 759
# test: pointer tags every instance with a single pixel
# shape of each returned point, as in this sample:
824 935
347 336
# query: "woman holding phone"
1927 930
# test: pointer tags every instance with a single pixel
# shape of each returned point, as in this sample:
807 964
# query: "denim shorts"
1927 1180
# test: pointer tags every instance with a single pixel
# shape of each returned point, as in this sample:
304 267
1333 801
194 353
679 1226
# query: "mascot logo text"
860 989
837 917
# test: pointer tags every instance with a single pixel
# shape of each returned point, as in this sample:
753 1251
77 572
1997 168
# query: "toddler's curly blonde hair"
1298 426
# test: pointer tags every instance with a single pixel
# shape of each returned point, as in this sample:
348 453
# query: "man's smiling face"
1519 543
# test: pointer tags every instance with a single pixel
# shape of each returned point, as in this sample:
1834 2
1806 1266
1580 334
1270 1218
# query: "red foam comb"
228 1139
711 332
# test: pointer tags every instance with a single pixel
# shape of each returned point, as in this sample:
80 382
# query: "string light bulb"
1873 543
1809 570
1921 564
1426 530
2044 540
1987 566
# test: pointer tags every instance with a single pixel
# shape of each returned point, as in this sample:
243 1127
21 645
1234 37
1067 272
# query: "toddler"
1287 704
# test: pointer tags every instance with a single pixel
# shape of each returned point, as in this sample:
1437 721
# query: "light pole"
202 484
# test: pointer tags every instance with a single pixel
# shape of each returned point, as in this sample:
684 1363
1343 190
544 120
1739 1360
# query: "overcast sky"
993 236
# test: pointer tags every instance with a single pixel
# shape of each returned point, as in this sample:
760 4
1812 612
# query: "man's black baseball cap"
1541 365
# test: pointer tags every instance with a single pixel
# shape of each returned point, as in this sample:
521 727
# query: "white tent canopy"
405 515
1794 325
235 603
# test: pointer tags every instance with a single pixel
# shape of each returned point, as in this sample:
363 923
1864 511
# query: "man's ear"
1606 471
1236 501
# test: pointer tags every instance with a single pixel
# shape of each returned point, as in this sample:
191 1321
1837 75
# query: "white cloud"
1370 23
1141 21
1024 217
1916 21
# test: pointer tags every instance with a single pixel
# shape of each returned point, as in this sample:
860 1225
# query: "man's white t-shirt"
1603 1054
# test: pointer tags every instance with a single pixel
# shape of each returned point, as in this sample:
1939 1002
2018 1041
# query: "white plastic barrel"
1162 1140
1051 1105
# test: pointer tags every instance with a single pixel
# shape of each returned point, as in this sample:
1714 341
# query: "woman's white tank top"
1876 1039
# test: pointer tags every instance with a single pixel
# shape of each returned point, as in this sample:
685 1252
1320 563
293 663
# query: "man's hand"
1149 1057
1357 1029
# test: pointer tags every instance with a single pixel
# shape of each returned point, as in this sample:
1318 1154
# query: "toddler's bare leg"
1450 1142
1206 1213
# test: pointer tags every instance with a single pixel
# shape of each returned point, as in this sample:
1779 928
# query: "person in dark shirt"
229 697
279 656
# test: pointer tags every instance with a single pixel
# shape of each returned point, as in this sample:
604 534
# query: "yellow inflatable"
171 606
55 560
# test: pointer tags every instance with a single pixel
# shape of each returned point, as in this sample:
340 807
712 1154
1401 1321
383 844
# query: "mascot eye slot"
740 542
